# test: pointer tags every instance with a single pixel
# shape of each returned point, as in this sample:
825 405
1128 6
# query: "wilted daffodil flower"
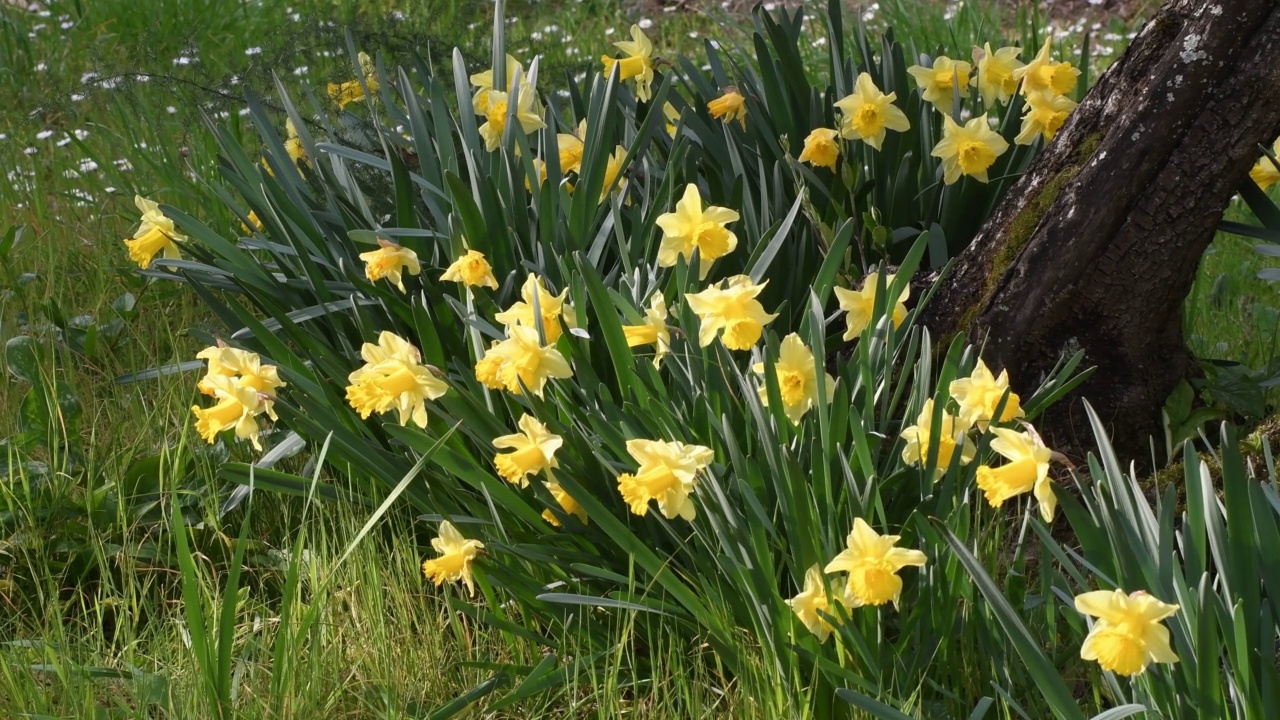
393 378
693 227
1265 173
390 261
528 114
729 107
566 503
873 563
472 269
1043 74
868 113
1127 636
813 605
859 305
731 306
653 331
995 79
980 393
348 92
522 312
533 450
521 358
970 149
1026 471
483 81
951 436
940 83
797 376
1045 114
821 148
668 474
156 235
456 553
636 65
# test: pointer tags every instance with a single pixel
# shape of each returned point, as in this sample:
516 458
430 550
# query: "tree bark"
1097 246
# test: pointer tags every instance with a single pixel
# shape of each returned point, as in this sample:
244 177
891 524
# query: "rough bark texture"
1097 246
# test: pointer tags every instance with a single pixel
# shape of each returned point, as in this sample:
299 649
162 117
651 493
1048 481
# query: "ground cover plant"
586 614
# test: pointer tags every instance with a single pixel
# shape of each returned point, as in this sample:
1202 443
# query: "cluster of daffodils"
242 387
982 400
969 149
1126 638
663 474
1128 635
872 562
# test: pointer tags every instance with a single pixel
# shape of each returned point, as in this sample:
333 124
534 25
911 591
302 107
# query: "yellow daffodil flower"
729 107
797 376
731 306
859 305
348 92
254 221
653 331
995 79
1026 471
566 503
868 113
636 65
970 149
951 435
472 269
156 235
393 378
528 115
611 169
940 83
672 115
293 144
1043 74
456 553
237 406
873 563
489 368
668 473
1045 114
980 393
1128 635
1265 173
483 81
244 367
813 605
521 312
821 148
533 450
569 148
390 261
522 358
693 227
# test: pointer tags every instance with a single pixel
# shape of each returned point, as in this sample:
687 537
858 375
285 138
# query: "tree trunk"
1097 245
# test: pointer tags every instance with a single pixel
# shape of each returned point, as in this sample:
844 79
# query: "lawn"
333 618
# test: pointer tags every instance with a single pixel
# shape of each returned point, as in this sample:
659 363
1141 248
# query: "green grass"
93 622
